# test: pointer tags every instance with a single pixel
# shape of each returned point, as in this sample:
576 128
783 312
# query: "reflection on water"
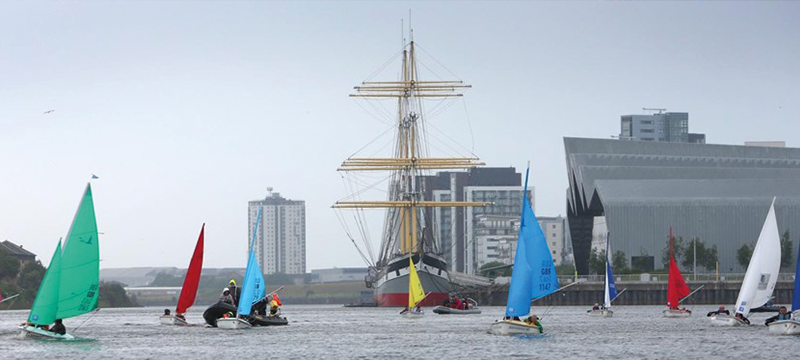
317 331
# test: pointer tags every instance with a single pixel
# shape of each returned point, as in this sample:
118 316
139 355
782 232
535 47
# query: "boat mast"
405 196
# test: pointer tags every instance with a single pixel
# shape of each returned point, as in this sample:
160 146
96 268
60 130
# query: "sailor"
458 304
719 312
274 309
533 320
743 319
783 314
226 297
166 312
58 327
596 306
235 291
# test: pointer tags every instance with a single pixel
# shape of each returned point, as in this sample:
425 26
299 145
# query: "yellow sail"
415 291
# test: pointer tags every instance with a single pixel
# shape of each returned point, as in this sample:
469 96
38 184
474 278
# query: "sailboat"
677 290
761 275
408 229
533 274
190 283
790 327
253 287
71 283
416 293
610 291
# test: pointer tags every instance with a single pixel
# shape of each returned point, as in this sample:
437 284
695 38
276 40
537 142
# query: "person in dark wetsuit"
719 312
58 328
167 312
783 314
741 318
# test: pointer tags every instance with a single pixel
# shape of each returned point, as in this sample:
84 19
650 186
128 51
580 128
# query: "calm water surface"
317 331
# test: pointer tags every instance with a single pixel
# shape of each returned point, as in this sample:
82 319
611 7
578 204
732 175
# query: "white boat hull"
676 314
512 327
37 333
413 314
171 320
725 320
600 313
233 324
785 327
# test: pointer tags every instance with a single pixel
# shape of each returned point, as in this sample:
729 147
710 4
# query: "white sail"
762 272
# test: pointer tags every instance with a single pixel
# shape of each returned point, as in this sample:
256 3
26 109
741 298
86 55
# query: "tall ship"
408 226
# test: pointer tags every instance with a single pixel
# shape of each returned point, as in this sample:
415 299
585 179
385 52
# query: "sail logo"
87 242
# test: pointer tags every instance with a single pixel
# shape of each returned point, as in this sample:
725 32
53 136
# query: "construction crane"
660 111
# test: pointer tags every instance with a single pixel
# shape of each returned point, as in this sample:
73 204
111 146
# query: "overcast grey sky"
187 110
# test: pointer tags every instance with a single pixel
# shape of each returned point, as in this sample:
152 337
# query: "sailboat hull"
676 314
32 332
171 320
512 327
444 310
785 327
233 324
725 320
600 313
391 287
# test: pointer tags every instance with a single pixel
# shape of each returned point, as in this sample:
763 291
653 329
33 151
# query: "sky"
188 110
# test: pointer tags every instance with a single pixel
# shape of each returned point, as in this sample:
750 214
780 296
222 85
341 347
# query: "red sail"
189 290
676 287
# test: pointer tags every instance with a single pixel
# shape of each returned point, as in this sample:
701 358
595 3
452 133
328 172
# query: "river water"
322 331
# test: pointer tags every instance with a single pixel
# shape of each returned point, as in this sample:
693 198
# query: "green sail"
45 305
80 263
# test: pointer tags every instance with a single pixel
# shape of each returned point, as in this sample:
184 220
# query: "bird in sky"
47 112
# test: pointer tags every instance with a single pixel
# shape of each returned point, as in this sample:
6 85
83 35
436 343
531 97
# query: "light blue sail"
796 294
253 286
534 274
612 288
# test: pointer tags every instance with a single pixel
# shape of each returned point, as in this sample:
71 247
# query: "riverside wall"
638 293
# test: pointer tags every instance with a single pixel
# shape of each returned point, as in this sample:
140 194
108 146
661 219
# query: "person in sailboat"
719 312
275 304
235 291
227 297
533 320
59 327
167 312
595 307
783 314
743 319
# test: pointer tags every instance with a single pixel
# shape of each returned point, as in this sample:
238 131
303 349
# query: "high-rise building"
555 230
663 126
280 244
449 224
506 202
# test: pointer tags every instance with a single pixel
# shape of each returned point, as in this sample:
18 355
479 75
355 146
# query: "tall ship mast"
408 223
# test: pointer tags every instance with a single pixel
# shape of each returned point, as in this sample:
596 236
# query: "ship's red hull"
401 299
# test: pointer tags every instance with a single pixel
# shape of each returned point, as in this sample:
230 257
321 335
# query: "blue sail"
612 288
796 294
253 286
534 274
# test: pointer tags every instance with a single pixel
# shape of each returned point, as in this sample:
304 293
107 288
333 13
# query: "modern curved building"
717 193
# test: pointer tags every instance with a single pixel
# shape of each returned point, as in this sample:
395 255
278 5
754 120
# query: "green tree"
619 262
706 257
565 270
787 255
9 266
743 255
678 250
495 272
597 261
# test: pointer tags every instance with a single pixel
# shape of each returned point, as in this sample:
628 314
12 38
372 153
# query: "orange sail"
676 287
192 280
